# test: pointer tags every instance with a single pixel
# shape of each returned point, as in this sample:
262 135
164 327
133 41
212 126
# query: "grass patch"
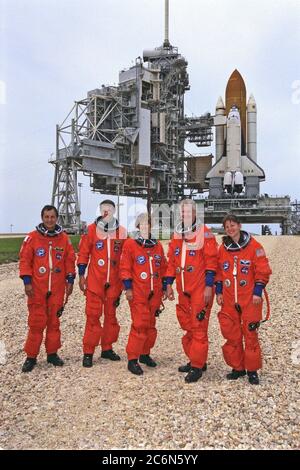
75 239
10 247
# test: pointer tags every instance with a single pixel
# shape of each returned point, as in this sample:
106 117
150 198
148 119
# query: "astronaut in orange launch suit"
192 261
142 270
99 251
243 273
47 267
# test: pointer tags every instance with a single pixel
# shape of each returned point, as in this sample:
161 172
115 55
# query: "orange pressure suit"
101 251
47 261
193 262
243 272
142 268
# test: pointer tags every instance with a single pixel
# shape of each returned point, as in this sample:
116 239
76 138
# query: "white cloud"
2 92
58 50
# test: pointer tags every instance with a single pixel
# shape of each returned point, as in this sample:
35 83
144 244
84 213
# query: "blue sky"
52 52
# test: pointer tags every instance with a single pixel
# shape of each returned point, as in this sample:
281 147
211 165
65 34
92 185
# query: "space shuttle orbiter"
236 170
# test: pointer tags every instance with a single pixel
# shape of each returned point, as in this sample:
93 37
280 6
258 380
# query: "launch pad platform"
260 210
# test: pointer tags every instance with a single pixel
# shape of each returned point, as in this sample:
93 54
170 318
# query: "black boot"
55 360
29 364
134 367
187 368
146 359
235 374
253 377
87 360
110 354
194 374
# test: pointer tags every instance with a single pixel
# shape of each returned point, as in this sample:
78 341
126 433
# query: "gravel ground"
108 408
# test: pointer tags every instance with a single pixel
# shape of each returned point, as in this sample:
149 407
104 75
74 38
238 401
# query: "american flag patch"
208 235
260 252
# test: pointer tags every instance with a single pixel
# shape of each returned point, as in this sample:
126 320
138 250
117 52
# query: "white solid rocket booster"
251 129
220 135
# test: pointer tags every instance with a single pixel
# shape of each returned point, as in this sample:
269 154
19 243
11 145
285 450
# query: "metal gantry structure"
130 140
